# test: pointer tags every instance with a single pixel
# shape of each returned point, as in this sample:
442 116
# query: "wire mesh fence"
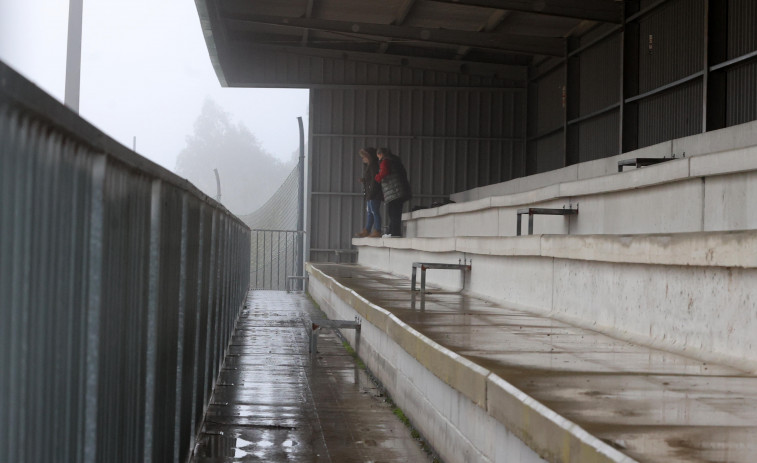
276 258
276 244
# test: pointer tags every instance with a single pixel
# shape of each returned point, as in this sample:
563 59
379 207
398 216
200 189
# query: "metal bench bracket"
437 266
317 323
531 211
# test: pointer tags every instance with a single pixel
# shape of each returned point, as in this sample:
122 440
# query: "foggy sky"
145 73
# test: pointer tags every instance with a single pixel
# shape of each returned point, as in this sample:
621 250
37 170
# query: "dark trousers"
394 211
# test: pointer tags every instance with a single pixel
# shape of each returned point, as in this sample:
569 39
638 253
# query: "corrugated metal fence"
120 284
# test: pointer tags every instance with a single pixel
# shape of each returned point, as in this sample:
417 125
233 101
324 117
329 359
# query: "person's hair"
386 152
370 154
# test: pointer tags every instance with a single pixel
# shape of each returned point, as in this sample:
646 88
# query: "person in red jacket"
395 186
372 194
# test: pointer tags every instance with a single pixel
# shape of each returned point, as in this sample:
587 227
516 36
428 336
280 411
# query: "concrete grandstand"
623 332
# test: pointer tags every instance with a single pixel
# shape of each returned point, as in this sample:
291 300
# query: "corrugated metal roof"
471 35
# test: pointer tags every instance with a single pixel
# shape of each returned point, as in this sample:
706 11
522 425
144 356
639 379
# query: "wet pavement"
652 405
274 403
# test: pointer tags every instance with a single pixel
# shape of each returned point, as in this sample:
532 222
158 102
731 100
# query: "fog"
146 73
248 174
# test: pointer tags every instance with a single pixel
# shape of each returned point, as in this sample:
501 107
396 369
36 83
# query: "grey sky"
145 73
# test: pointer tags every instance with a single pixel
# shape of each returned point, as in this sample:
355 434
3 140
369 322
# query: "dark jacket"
395 184
371 188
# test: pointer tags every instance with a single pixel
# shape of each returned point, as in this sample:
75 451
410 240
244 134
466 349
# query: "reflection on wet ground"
273 403
654 406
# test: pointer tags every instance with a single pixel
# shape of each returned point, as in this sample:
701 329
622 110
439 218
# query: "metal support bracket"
304 282
531 211
643 162
340 252
317 323
437 266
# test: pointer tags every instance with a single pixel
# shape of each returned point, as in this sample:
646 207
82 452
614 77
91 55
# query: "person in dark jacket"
395 186
372 193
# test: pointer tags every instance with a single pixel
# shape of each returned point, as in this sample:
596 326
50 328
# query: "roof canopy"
479 37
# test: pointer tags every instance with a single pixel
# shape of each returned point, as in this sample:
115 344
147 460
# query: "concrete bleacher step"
708 192
488 382
694 293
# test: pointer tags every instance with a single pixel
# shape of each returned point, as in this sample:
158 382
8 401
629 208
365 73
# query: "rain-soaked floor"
652 405
273 403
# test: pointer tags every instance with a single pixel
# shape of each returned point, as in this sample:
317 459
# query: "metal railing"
120 284
276 255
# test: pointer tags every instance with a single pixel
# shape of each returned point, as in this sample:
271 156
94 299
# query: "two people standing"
391 176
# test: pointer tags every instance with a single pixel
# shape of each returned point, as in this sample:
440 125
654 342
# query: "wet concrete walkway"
652 405
273 403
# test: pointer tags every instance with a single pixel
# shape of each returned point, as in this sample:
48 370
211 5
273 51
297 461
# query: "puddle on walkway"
213 446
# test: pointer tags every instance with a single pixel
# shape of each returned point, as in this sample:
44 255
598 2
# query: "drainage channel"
274 402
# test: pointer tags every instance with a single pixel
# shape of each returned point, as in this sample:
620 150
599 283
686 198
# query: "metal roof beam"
495 19
401 16
594 10
404 10
308 14
516 73
531 45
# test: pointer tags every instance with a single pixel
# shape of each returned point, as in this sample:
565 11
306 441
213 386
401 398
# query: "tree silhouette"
249 175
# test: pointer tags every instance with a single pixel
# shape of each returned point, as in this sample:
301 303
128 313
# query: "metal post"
218 186
270 260
572 108
286 259
631 40
705 64
301 204
278 261
716 52
530 223
517 230
73 54
314 340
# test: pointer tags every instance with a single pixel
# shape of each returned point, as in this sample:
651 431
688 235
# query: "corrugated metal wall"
741 83
676 51
676 31
672 114
120 284
467 130
449 140
457 126
547 152
598 136
667 78
599 84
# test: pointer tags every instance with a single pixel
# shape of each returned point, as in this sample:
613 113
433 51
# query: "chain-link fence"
276 250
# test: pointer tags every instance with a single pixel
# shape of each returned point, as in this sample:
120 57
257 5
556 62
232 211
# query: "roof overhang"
297 43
